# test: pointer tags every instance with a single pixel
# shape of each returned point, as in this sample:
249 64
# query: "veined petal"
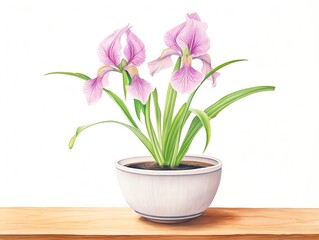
186 79
193 36
207 66
140 89
193 16
134 50
109 50
93 88
164 61
215 75
171 37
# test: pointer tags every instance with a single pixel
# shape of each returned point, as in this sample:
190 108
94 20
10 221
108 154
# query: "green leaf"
191 96
72 141
212 112
205 122
79 75
136 131
169 105
177 132
139 106
221 66
122 105
172 142
158 114
126 81
129 78
151 133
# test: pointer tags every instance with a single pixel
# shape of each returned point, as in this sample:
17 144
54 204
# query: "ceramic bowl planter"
169 196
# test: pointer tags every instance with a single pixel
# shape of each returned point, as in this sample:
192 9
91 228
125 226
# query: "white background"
268 142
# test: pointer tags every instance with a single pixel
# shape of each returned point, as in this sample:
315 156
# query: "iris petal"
215 75
140 89
164 61
93 88
193 16
134 50
207 66
171 37
186 79
109 50
193 36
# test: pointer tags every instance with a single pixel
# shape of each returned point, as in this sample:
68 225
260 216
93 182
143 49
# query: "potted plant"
167 186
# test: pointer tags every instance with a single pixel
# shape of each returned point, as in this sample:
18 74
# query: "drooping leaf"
78 75
72 141
136 131
203 117
139 107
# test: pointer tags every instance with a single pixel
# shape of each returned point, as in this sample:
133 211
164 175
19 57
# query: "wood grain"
123 223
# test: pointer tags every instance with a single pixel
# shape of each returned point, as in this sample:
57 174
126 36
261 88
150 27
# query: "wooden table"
123 223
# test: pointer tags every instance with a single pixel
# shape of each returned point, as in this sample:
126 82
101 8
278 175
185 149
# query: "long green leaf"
183 119
126 81
221 66
79 75
212 112
158 114
122 105
172 142
205 122
169 105
139 107
191 96
150 129
136 131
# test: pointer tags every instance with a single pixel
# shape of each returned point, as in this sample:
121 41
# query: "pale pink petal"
215 75
93 88
171 36
105 80
193 36
193 16
134 50
109 50
207 66
164 61
140 89
186 79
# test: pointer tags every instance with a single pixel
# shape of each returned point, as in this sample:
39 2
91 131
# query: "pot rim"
120 165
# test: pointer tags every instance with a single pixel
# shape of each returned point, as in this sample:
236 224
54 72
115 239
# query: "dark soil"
185 165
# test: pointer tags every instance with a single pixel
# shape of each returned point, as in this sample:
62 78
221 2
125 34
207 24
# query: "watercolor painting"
169 108
167 149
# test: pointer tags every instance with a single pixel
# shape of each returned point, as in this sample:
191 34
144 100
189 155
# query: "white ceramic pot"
169 196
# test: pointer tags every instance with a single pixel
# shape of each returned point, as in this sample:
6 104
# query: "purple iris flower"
110 54
188 41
